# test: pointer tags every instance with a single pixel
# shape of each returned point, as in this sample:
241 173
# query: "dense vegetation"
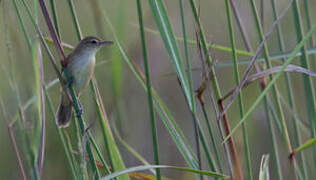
189 90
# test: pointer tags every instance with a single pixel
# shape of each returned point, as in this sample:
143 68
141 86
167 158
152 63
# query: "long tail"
64 111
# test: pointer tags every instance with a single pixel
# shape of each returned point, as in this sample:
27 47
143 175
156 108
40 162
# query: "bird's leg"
70 82
80 109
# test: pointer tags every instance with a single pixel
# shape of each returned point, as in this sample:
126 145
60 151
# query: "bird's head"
92 44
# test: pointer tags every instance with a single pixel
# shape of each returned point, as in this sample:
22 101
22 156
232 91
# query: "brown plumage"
80 64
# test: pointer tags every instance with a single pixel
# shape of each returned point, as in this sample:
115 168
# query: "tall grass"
104 141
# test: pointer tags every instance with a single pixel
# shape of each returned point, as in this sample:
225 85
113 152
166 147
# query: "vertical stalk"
210 131
308 83
148 86
55 17
75 19
212 74
240 97
274 87
263 84
60 134
289 88
190 84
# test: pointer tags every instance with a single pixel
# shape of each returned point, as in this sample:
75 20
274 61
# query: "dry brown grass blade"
267 72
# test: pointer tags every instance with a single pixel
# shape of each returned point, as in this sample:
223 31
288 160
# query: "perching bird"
80 65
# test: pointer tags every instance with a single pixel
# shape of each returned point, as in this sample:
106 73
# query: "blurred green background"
124 98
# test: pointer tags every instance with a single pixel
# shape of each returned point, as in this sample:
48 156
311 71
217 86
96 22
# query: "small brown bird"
80 65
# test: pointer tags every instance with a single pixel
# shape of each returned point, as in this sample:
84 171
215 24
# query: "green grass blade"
55 16
60 134
142 168
166 33
115 157
274 58
288 82
75 19
148 89
274 87
240 95
309 87
186 52
307 144
37 145
197 130
209 45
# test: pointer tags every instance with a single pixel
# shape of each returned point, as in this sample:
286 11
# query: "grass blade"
169 40
115 157
148 86
309 87
240 95
264 168
304 146
142 168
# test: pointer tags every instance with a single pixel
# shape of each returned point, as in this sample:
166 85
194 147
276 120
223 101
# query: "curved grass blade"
139 176
209 45
304 146
142 168
162 21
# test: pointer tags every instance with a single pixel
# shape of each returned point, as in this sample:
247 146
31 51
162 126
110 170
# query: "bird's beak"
103 43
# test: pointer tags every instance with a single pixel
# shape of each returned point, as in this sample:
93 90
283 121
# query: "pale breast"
81 70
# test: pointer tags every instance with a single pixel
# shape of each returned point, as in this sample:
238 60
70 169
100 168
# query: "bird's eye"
94 41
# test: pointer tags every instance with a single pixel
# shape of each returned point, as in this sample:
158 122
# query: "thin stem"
209 62
190 84
148 86
75 19
209 128
274 87
60 134
240 97
308 83
289 88
55 17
